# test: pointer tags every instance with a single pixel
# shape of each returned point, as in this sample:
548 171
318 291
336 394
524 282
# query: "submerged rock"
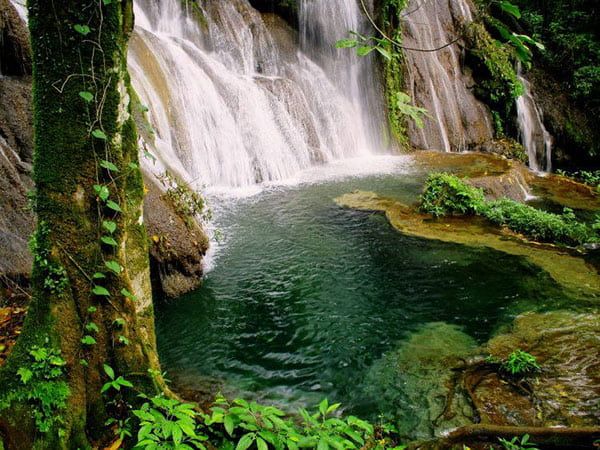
414 385
566 392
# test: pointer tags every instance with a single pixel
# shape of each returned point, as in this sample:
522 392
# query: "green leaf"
102 192
114 206
128 294
322 445
92 327
109 371
87 96
88 340
82 29
97 276
84 363
511 9
229 425
346 43
114 266
119 322
108 165
99 134
25 374
261 444
246 441
383 52
108 240
364 50
323 406
101 291
109 226
106 2
92 309
133 166
123 340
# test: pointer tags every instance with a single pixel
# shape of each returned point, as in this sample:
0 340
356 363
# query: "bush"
520 363
447 194
539 225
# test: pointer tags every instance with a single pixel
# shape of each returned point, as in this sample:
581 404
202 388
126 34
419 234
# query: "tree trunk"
85 149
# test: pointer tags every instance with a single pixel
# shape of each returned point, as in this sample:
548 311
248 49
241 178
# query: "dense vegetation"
446 195
570 31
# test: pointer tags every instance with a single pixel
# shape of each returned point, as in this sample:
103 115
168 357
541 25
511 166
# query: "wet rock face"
178 246
16 144
287 9
15 50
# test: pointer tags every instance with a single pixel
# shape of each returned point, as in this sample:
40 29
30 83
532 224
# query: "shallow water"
305 297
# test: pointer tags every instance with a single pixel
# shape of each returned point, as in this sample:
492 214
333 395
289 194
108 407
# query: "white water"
232 106
437 80
532 133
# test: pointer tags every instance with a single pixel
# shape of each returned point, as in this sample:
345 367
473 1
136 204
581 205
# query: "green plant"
55 276
446 194
539 225
168 424
520 362
187 203
114 383
518 444
42 387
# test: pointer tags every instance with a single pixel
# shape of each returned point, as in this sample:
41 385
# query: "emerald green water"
306 298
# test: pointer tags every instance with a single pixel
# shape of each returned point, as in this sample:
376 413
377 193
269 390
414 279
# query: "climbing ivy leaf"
82 29
114 206
114 266
120 322
87 96
102 192
109 166
128 294
92 309
109 226
109 241
109 371
101 291
99 134
97 276
88 340
123 340
92 327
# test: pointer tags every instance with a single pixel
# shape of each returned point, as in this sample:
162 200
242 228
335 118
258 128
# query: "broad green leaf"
246 441
88 340
109 166
82 29
97 276
109 226
87 96
108 240
92 327
101 291
229 425
114 206
511 9
261 444
346 43
364 50
114 266
102 192
109 371
99 134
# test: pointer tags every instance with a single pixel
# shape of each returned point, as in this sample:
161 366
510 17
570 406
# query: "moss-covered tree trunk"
92 300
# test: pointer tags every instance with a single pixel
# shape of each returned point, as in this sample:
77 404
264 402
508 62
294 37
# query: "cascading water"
436 80
533 134
234 102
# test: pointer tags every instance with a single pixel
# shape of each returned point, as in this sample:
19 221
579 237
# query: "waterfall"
235 102
533 134
436 80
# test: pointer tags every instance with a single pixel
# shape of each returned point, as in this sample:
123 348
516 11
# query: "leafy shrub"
447 194
518 444
591 178
520 363
168 424
241 425
42 388
539 225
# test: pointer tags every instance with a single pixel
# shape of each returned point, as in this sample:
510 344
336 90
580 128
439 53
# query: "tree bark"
80 46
